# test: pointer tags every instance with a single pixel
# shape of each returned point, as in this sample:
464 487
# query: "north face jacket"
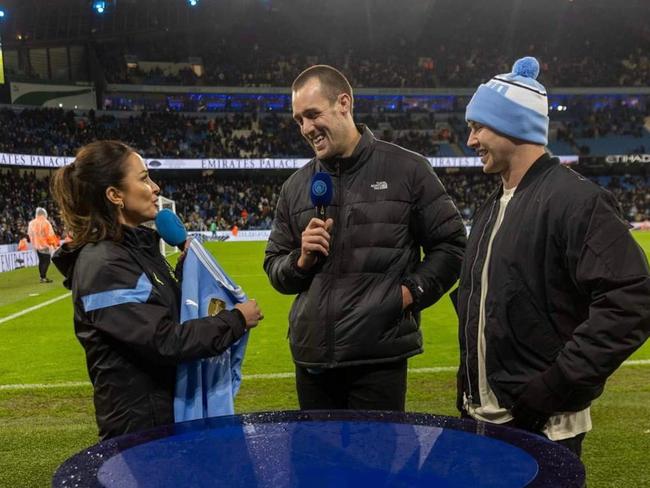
388 207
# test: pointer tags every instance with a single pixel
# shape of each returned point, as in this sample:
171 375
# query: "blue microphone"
170 228
321 192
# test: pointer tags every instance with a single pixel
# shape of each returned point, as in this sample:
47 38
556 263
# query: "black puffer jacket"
126 310
387 205
568 298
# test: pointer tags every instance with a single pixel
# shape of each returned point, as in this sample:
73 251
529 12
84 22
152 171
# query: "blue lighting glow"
99 6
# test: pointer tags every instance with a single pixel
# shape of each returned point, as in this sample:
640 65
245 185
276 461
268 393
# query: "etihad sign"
628 158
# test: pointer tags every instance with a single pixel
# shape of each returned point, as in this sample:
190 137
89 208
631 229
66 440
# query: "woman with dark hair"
126 298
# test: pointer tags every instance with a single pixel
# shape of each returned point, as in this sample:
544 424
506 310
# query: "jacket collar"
539 167
139 237
359 156
65 257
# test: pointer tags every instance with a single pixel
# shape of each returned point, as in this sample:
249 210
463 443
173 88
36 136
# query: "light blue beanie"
514 104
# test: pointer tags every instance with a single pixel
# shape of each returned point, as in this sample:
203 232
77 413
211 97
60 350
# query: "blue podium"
336 449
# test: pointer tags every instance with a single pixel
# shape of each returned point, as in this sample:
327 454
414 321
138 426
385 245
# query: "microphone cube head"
170 227
321 189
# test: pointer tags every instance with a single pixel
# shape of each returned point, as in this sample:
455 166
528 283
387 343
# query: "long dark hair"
80 191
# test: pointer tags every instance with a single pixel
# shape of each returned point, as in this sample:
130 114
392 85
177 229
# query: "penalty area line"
267 376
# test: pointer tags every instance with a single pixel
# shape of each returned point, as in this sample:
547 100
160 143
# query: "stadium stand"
210 84
248 200
261 134
401 68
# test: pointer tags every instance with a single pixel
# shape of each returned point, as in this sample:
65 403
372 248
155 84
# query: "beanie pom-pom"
527 67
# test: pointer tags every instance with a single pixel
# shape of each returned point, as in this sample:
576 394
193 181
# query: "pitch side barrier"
17 259
230 236
263 235
14 260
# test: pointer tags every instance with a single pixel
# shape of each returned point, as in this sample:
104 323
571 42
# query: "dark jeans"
574 444
366 387
43 263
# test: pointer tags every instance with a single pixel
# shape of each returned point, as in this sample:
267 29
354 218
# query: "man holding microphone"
356 268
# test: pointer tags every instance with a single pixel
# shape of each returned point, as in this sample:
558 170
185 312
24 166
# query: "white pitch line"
256 275
45 386
636 362
35 307
266 376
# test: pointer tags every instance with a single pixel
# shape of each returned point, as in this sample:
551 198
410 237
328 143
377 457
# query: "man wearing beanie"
554 292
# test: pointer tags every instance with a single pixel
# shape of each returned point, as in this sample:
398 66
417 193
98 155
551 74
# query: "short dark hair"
79 189
332 81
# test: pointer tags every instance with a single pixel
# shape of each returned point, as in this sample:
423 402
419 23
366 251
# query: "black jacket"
568 298
387 205
126 313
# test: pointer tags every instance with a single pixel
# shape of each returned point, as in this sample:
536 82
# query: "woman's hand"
251 312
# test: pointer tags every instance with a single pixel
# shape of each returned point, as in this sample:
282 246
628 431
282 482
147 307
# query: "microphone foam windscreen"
321 189
170 227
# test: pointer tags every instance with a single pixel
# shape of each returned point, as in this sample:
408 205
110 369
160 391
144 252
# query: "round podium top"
325 449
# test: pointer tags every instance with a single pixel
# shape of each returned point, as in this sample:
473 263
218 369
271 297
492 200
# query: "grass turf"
42 426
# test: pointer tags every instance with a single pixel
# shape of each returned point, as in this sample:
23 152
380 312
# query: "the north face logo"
380 185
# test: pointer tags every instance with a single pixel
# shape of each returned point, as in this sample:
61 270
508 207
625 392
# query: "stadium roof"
41 21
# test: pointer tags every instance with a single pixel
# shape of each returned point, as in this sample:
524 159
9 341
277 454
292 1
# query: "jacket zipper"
330 318
469 300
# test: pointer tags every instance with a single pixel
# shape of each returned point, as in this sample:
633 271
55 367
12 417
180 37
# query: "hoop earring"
121 205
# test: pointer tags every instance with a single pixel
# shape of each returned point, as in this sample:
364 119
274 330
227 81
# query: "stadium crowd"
414 71
248 202
269 135
20 194
613 119
58 133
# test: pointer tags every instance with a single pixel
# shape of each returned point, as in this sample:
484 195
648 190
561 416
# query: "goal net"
166 249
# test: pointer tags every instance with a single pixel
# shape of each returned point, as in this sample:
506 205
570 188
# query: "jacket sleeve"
608 265
49 230
125 306
440 232
283 251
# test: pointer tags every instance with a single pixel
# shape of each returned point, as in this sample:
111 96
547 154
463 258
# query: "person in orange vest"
41 235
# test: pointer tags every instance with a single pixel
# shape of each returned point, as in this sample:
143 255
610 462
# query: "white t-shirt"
564 425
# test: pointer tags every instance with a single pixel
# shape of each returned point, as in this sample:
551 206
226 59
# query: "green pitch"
46 411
